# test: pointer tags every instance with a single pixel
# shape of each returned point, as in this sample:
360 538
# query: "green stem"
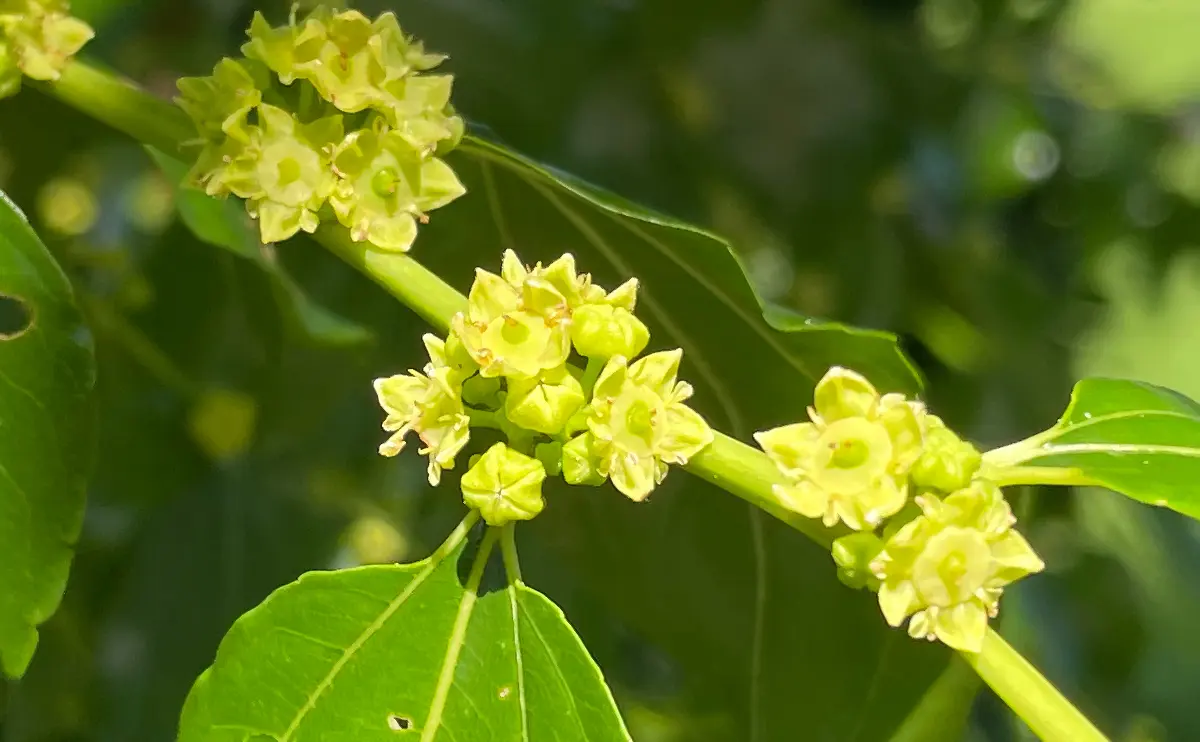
730 464
404 278
123 106
508 548
1013 476
595 366
1039 704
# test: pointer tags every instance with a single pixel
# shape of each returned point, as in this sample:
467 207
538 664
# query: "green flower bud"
284 172
544 403
38 38
604 331
551 456
504 486
639 424
429 405
220 103
948 567
947 462
849 464
482 391
853 555
385 186
580 463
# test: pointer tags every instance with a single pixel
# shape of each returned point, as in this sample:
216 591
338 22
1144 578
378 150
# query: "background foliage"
1012 185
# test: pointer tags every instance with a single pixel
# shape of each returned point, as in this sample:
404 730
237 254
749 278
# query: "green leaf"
225 224
439 649
47 375
748 610
694 285
1139 439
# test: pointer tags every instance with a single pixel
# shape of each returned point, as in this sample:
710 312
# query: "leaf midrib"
431 564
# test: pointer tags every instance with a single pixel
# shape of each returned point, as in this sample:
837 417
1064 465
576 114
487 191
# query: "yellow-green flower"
514 331
429 405
851 463
948 567
284 172
219 104
37 37
637 425
504 486
385 186
357 64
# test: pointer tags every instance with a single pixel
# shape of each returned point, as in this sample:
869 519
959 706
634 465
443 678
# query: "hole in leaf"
15 317
399 723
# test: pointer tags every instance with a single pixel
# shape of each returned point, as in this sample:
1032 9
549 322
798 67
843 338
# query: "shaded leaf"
1139 439
432 650
201 561
225 224
47 375
694 284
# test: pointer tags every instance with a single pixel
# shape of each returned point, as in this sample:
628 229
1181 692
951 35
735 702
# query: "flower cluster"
508 364
37 38
860 460
332 116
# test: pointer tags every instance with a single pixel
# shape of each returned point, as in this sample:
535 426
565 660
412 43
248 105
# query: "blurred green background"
1012 186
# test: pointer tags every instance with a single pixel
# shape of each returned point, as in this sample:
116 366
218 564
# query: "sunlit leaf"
46 413
440 649
1139 439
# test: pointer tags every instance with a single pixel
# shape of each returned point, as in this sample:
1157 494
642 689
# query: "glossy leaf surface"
46 411
441 649
1136 438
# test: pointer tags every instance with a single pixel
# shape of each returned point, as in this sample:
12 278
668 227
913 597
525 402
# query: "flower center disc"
954 564
635 416
851 455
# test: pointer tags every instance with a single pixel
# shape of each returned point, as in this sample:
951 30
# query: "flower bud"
948 567
853 554
504 486
947 462
544 403
604 331
551 456
481 391
580 464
